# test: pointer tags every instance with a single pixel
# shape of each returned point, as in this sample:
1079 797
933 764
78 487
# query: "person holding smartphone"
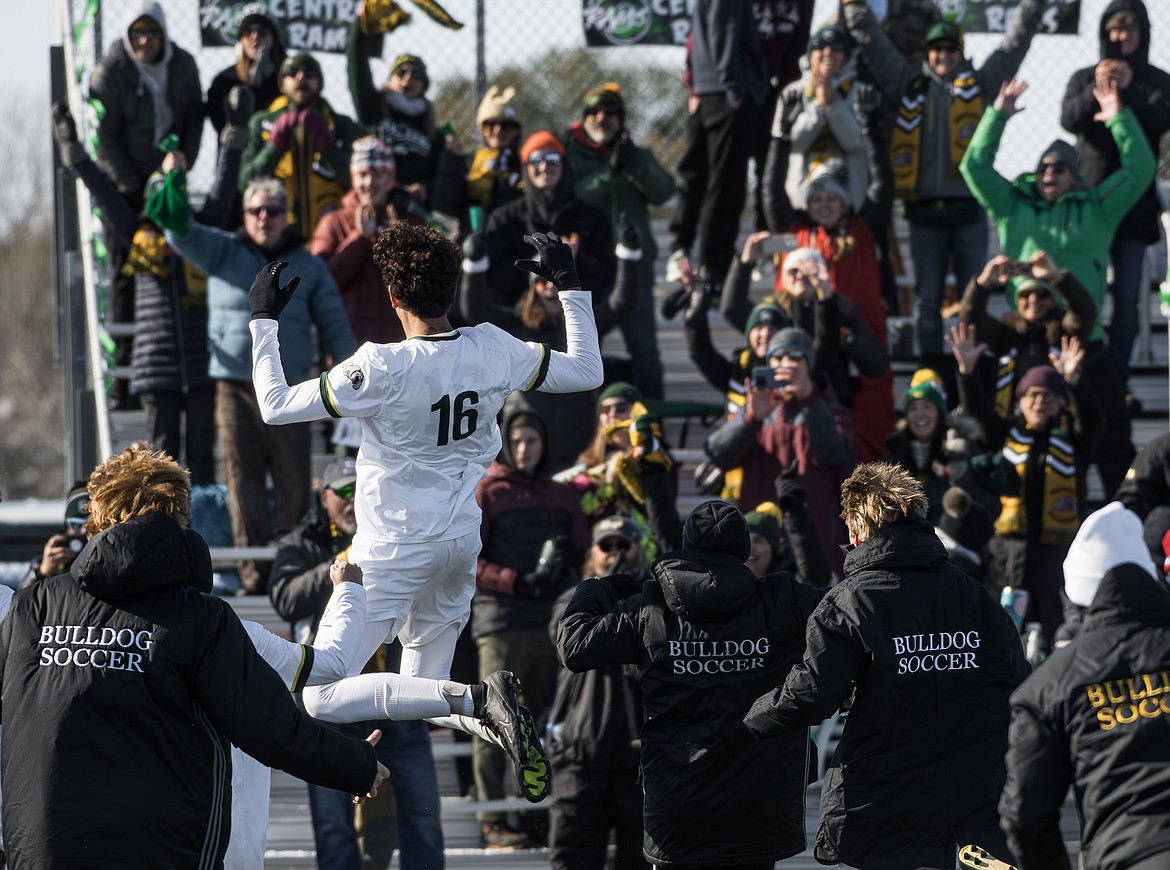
794 419
62 547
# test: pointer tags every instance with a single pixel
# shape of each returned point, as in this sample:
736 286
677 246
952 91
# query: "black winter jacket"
707 636
299 584
1148 95
122 677
127 148
1095 716
929 658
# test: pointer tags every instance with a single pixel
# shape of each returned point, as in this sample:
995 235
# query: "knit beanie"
496 106
256 13
302 62
767 312
1107 538
1042 376
541 140
792 339
414 60
967 522
370 152
765 522
827 178
830 36
1061 151
718 527
800 255
927 384
608 97
944 31
621 389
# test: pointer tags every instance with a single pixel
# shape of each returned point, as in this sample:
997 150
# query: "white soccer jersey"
427 407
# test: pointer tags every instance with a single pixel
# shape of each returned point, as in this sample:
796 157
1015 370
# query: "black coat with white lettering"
930 658
707 636
121 688
1097 716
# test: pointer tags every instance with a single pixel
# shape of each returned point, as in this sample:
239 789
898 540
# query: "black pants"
728 135
587 804
192 439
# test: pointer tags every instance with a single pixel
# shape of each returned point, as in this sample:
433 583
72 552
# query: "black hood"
702 586
1129 594
907 543
141 556
1138 9
517 407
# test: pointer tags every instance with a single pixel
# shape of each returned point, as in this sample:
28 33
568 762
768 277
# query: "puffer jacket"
127 145
1148 96
122 672
1077 229
929 659
231 262
1094 716
707 636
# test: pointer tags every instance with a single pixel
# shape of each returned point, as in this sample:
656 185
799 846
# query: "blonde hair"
136 482
878 494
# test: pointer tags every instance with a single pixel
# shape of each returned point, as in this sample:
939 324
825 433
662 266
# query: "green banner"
994 16
609 23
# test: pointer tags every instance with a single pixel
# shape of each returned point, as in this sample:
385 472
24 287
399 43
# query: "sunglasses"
255 30
613 545
1038 396
302 71
1058 168
151 33
270 210
408 72
343 491
1024 294
544 160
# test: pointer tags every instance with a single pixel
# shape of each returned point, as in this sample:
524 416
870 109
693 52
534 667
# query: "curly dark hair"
421 267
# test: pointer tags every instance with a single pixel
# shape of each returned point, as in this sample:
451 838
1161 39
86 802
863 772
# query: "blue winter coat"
231 262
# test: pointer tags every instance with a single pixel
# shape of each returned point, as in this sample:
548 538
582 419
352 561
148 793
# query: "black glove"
675 302
65 132
533 585
793 102
554 263
555 554
629 236
474 247
238 106
623 584
267 298
869 99
790 495
623 154
703 293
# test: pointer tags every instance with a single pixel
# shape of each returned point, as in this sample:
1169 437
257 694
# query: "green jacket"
315 181
629 190
1077 229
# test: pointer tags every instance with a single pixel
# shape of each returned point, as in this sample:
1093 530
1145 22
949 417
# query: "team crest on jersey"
354 375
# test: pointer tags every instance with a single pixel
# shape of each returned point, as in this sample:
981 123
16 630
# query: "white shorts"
418 589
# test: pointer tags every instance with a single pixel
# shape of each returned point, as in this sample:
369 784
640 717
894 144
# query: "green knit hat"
763 522
927 384
413 60
768 311
622 389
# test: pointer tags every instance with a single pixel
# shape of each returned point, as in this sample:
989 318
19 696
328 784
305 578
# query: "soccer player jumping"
427 410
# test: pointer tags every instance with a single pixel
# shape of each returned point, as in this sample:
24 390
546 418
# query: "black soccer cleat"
498 710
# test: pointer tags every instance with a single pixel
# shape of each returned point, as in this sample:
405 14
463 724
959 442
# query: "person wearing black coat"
123 685
1146 492
706 636
1095 715
1124 33
926 658
548 205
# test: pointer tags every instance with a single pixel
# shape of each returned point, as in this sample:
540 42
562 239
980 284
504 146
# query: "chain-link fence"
539 47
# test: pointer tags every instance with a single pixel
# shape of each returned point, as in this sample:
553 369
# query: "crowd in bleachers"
1001 422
